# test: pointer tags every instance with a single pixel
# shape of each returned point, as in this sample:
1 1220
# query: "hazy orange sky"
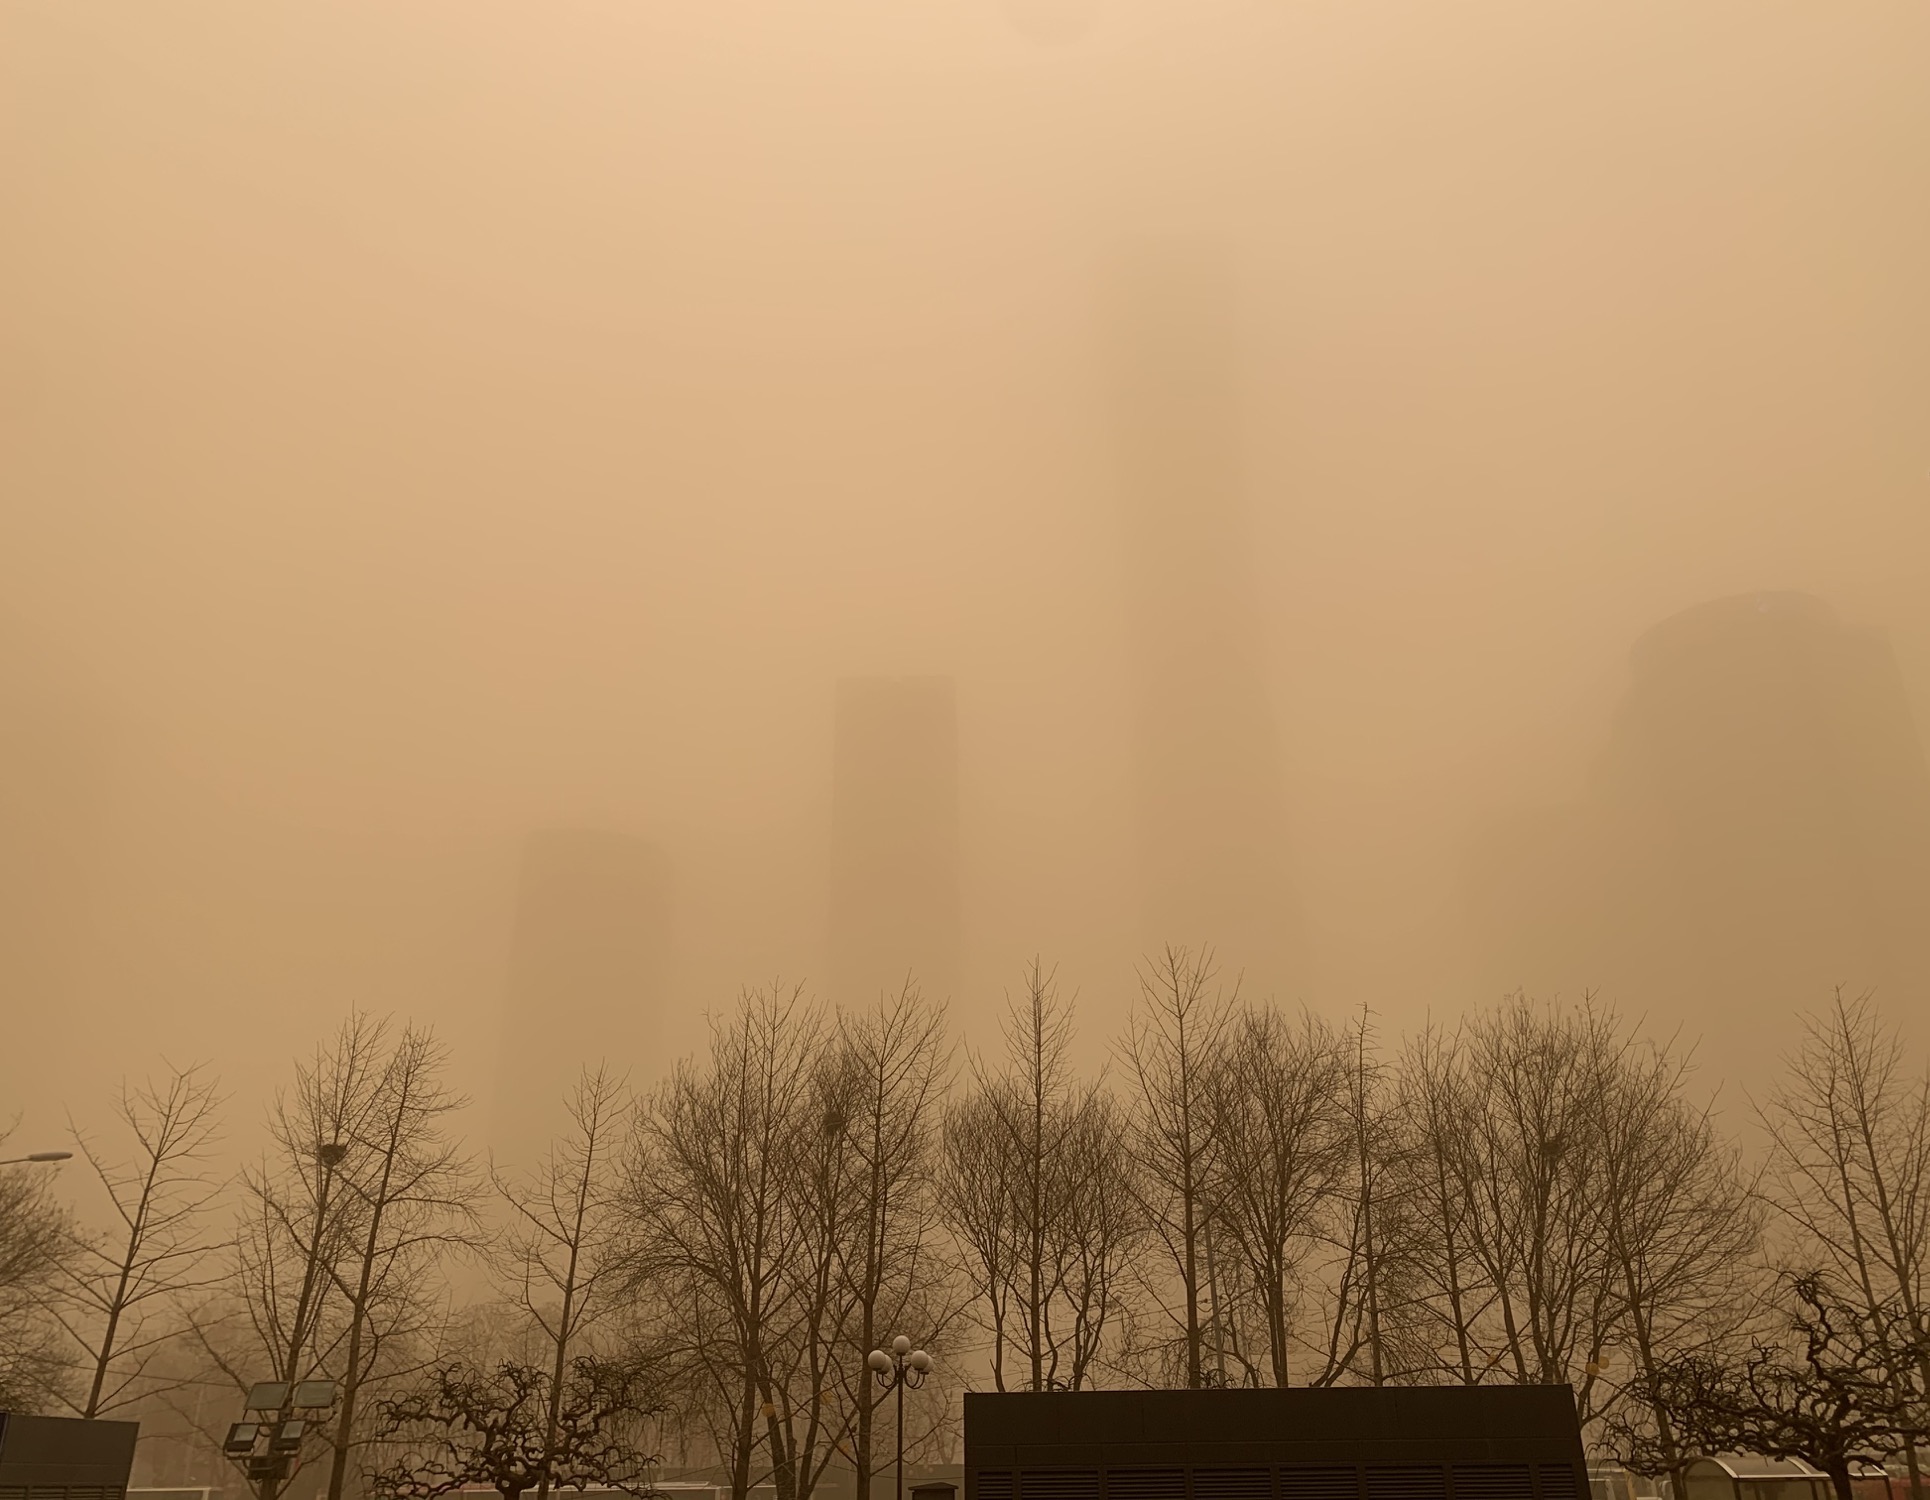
424 423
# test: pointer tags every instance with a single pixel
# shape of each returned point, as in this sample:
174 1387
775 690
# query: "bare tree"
35 1237
1173 1045
1528 1157
1679 1224
1041 1198
1036 1091
1282 1136
121 1292
566 1242
1366 1237
415 1196
1849 1161
711 1188
980 1193
880 1094
465 1425
1834 1401
1432 1107
298 1227
1028 1113
1100 1230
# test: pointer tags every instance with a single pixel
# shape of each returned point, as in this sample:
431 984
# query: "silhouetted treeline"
1242 1195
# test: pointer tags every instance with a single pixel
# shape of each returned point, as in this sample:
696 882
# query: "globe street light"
903 1366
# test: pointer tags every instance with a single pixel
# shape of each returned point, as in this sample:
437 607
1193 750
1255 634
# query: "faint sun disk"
1051 22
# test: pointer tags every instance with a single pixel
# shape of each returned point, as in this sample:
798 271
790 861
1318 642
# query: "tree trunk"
740 1472
1188 1235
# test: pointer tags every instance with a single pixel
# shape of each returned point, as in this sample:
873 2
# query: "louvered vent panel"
1233 1484
1319 1484
1145 1484
1560 1482
995 1484
1493 1482
1058 1484
1406 1482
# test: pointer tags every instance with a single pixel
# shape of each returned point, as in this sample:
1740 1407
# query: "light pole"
903 1366
270 1451
14 1161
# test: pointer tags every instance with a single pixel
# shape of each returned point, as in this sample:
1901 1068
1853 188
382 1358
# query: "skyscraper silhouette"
1756 831
1210 784
587 971
894 836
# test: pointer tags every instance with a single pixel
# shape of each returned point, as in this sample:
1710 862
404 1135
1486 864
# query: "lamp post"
903 1366
14 1161
269 1448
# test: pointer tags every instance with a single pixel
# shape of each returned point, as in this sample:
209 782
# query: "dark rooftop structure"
64 1458
1349 1443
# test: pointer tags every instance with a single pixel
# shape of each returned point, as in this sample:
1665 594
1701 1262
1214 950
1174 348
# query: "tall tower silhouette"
894 836
588 964
51 780
1210 786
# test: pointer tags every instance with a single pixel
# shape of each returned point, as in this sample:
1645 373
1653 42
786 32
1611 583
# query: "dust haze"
534 518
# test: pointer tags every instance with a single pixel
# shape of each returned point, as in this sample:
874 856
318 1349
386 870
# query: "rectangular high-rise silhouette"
588 964
1208 757
894 836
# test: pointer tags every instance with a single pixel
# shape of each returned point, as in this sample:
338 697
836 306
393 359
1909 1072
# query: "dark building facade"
588 966
894 836
1207 751
64 1458
1340 1443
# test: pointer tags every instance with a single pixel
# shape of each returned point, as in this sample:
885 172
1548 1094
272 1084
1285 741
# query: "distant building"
588 966
1757 828
894 836
1211 784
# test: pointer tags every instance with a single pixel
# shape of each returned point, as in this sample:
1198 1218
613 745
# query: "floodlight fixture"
288 1436
241 1439
313 1395
267 1395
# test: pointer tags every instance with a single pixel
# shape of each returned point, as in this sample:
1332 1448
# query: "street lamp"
14 1161
267 1442
903 1366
